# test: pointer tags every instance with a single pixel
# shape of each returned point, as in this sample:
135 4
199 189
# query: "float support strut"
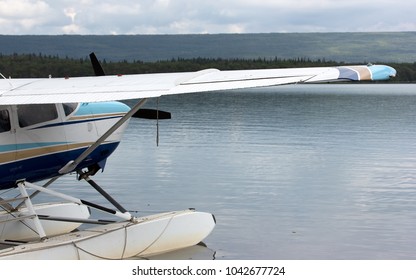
31 210
104 193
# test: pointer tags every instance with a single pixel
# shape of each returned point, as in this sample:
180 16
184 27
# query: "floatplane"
51 127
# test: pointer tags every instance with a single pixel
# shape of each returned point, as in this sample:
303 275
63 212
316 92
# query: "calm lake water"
292 172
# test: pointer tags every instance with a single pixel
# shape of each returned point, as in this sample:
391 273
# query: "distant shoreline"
39 65
346 47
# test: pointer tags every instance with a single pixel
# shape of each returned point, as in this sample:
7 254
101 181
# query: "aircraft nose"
382 72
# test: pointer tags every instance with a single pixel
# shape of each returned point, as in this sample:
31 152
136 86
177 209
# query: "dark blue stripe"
75 122
44 167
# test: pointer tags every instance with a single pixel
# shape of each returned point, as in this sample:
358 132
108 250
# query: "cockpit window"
4 121
69 108
36 113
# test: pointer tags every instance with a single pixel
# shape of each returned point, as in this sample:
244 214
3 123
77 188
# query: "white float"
141 237
14 228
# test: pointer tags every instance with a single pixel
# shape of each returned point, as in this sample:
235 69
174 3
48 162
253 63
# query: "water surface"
293 172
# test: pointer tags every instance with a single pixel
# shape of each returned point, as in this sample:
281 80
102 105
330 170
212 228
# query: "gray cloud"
197 16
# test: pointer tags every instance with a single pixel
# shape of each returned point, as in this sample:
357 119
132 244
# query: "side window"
4 121
69 108
36 113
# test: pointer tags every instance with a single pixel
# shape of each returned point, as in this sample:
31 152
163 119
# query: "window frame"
9 120
32 112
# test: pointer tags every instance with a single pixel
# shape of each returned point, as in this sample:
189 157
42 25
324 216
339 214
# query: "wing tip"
366 73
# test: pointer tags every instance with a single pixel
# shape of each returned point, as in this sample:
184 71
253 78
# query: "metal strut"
125 216
31 210
102 192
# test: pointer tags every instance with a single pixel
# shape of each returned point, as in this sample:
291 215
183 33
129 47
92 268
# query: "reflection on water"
295 172
197 252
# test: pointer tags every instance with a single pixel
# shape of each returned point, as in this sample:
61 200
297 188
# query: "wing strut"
72 165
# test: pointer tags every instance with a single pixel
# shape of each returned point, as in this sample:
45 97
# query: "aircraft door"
7 145
41 142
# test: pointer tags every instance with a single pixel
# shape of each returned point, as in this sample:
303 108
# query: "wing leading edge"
122 87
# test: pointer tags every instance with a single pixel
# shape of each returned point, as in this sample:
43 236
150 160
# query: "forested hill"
38 65
67 55
342 47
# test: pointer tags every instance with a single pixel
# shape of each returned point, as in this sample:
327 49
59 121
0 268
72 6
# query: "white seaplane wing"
122 87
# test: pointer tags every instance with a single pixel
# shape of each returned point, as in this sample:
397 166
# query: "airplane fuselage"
37 140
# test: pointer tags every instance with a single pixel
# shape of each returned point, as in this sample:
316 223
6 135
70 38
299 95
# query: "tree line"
39 65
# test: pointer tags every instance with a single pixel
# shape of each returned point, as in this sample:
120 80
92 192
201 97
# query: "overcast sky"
19 17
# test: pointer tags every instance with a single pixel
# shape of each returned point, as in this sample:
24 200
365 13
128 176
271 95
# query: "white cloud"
72 29
197 16
71 13
22 9
23 15
119 9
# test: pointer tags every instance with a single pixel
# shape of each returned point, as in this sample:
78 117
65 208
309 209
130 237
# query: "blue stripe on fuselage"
25 146
76 122
44 167
97 111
